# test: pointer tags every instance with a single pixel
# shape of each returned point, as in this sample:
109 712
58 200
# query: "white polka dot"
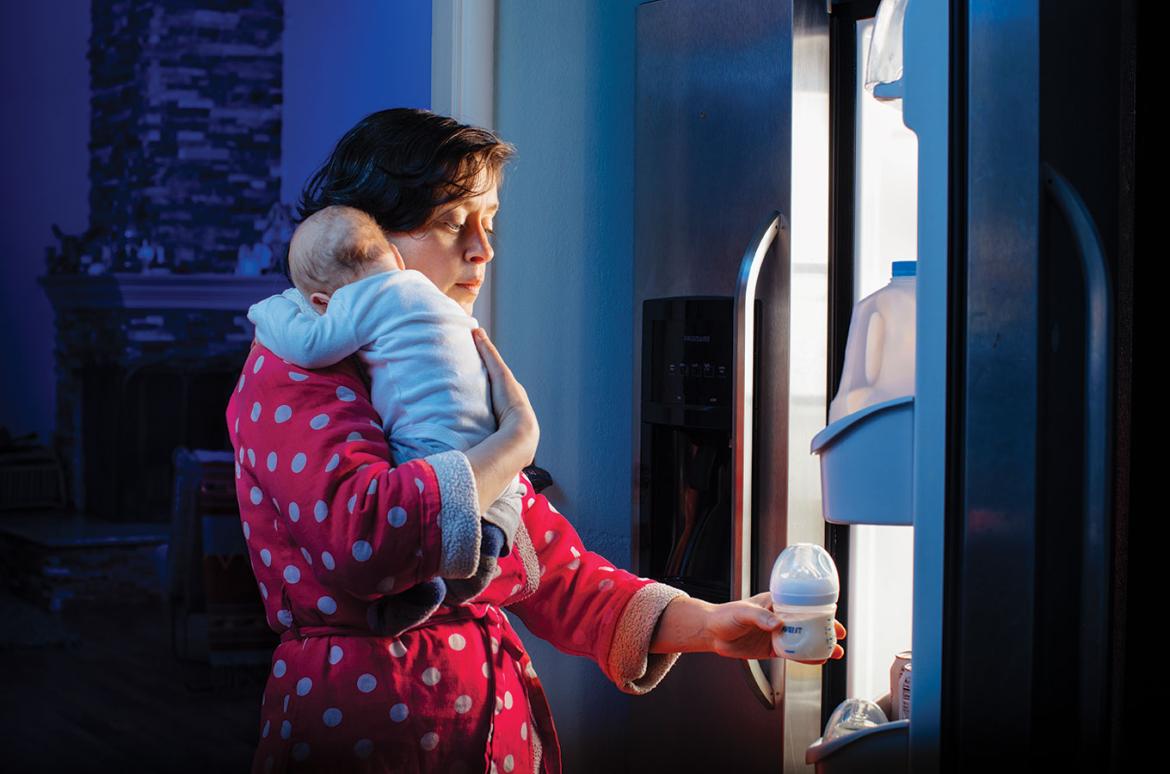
530 670
247 531
354 436
351 503
418 482
320 511
499 705
363 748
267 727
263 591
549 537
298 462
494 770
300 751
241 454
345 394
252 457
431 676
396 516
334 461
429 741
283 414
297 376
237 470
332 717
294 511
463 704
531 501
509 762
397 649
386 585
457 642
256 495
304 685
258 365
362 550
367 682
240 384
319 421
327 560
285 617
335 654
279 668
292 574
495 645
271 462
507 700
524 730
399 712
266 557
606 569
373 487
276 505
515 590
286 702
605 585
485 669
327 605
255 411
285 729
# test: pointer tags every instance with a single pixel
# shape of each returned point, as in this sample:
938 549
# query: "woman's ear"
398 256
320 301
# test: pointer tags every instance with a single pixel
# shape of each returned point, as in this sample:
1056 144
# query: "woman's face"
453 250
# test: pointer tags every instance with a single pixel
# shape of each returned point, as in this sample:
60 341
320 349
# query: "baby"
354 294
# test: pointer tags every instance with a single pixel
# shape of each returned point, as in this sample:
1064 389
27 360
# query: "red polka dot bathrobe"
369 676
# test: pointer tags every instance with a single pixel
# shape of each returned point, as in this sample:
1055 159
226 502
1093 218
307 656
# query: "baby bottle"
805 588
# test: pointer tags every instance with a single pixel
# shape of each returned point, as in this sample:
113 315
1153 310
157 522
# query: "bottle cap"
904 268
804 575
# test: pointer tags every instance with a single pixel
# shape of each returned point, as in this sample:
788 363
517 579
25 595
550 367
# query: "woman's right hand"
509 398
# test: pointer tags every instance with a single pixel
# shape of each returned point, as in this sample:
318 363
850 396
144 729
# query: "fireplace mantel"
220 292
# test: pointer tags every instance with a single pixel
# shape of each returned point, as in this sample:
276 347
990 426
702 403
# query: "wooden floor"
118 700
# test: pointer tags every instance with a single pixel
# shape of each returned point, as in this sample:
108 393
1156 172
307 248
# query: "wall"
343 61
564 297
44 91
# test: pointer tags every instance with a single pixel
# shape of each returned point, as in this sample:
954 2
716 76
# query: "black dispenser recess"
686 432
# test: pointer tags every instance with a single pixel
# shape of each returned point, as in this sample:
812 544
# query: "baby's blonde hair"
333 247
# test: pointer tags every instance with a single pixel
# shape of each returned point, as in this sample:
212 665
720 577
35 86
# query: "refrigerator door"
717 111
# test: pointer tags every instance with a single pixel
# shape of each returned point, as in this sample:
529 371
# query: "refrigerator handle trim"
1096 551
745 341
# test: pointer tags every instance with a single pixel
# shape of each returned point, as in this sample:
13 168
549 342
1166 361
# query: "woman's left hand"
744 628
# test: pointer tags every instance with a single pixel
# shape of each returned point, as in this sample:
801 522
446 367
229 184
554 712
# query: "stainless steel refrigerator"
748 232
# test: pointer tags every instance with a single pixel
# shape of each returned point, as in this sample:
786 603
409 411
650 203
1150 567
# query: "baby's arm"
309 340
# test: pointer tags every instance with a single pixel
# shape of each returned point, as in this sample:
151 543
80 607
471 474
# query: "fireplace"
145 365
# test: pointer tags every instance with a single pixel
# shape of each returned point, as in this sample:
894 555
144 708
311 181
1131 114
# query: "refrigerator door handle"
1097 537
745 346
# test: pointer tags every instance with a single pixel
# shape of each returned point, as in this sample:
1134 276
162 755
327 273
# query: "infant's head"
334 247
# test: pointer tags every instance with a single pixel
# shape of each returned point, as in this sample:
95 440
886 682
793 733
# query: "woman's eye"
455 227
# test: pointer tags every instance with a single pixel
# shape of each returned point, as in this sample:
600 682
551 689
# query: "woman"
365 678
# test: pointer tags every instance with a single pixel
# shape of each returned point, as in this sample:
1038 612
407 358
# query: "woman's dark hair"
402 164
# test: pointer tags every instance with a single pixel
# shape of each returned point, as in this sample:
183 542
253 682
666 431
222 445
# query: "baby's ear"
398 257
320 301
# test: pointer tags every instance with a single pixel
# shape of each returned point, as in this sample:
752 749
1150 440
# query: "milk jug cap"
804 575
904 269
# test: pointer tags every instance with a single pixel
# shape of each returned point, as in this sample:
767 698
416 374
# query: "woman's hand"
740 629
509 398
497 459
743 629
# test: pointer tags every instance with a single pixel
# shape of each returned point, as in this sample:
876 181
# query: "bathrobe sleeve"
585 606
311 457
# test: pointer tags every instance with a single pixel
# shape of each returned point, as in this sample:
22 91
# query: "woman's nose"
480 250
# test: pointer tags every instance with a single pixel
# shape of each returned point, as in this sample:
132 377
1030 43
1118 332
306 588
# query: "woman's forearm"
682 627
497 459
